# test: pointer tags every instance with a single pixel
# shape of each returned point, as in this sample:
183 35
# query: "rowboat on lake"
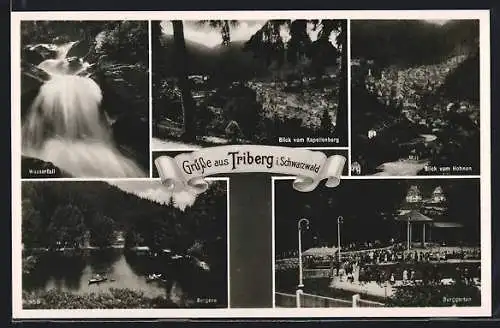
97 279
153 277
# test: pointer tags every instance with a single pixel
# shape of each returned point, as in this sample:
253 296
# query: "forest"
56 214
412 42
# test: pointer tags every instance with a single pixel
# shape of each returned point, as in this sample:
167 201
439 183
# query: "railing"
317 301
366 303
285 300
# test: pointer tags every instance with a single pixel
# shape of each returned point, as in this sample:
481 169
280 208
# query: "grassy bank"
114 299
29 263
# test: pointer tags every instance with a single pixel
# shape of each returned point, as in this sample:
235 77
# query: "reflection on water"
71 273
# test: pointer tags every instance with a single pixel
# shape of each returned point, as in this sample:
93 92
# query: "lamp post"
340 219
299 228
408 234
301 283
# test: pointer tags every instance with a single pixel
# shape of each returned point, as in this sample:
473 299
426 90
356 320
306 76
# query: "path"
158 144
374 289
368 288
210 141
402 167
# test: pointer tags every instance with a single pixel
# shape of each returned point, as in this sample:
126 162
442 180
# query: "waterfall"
65 125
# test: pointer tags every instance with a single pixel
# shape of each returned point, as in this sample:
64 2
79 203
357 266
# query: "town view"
415 99
277 82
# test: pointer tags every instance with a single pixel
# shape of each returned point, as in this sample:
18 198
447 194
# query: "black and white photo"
271 82
379 243
123 245
84 99
285 164
415 97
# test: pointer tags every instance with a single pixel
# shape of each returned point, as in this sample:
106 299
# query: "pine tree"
326 123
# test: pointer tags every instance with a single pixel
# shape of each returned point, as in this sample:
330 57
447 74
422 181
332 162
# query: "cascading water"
65 126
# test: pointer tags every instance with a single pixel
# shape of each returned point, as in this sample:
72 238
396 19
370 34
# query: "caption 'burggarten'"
237 160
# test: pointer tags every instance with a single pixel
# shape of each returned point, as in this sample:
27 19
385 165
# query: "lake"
71 273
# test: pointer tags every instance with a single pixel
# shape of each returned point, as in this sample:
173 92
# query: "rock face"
130 132
32 79
35 54
80 49
32 168
124 87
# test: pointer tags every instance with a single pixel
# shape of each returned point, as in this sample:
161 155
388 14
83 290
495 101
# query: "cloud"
160 195
157 192
438 21
211 37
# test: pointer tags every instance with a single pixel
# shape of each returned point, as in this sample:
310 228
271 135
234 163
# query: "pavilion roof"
413 216
447 225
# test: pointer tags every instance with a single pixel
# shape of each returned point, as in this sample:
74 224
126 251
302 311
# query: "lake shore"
119 298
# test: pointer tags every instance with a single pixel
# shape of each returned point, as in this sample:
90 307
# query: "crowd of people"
398 254
406 273
364 262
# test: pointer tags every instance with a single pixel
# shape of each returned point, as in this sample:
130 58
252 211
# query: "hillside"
412 42
225 61
91 204
463 82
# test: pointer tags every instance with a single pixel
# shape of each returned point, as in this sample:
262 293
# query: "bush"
434 294
114 299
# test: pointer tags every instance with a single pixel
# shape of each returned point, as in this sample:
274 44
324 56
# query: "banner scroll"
187 171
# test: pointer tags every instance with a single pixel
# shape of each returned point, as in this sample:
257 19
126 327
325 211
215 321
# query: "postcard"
251 164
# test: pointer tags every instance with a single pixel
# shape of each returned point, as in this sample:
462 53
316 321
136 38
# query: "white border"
485 177
249 15
349 159
150 100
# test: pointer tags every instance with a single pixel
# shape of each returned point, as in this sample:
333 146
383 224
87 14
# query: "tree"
341 120
66 226
326 123
125 42
182 69
102 230
59 32
159 65
31 225
433 293
182 60
133 239
224 26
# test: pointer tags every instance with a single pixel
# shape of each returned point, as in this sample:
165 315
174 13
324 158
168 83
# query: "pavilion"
446 226
415 217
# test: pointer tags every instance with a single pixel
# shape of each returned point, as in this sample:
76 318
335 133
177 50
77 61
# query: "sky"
211 37
154 190
437 21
